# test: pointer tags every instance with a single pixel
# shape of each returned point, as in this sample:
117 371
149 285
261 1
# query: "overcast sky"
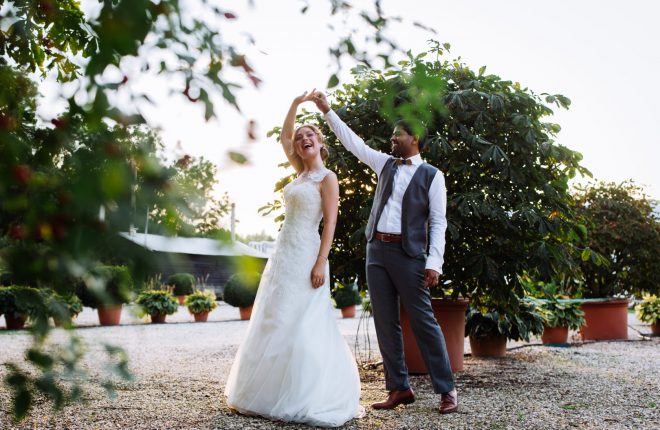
603 55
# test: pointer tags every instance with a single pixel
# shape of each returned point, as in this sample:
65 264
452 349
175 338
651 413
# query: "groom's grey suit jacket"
414 206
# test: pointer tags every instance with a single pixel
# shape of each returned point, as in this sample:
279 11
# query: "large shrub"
241 289
183 283
507 179
625 231
111 285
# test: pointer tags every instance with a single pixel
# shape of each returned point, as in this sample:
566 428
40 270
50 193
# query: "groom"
409 206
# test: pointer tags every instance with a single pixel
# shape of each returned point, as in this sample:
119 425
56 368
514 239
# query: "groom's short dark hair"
420 134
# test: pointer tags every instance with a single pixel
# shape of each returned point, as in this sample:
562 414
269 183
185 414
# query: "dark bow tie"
400 161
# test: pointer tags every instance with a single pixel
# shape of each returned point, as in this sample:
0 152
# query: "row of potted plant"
107 290
156 300
490 324
558 316
19 303
159 300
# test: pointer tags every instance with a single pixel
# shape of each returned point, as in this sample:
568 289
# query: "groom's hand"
321 101
304 97
431 278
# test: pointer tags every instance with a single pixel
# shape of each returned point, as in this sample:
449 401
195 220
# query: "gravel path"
181 369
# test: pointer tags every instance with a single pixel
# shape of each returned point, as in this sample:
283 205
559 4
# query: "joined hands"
317 97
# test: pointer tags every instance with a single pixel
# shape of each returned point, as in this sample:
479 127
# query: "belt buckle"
386 237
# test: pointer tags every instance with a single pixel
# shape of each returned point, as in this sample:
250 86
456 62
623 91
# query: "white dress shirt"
390 219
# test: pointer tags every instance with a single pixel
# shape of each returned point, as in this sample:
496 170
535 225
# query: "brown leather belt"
386 237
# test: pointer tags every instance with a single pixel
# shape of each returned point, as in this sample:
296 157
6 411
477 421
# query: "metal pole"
233 222
146 227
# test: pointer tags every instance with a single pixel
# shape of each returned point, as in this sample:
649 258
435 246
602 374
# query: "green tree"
625 231
262 236
201 213
54 181
508 206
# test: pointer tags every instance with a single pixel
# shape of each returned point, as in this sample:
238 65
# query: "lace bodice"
299 240
302 201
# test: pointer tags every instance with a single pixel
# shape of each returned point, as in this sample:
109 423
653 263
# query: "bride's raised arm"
287 137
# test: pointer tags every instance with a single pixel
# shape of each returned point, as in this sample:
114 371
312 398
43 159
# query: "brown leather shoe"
395 399
449 402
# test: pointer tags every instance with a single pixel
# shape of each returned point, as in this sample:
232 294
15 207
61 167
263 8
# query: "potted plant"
559 317
489 324
107 291
63 308
346 298
158 304
200 304
648 311
183 283
559 313
622 255
241 290
17 304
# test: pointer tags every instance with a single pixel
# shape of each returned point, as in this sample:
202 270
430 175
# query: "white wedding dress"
294 365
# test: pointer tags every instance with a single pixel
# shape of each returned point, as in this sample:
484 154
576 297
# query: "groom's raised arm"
351 141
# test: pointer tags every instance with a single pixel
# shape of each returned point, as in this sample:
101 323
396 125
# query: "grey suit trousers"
394 277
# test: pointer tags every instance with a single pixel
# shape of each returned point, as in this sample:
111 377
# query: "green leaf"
333 81
237 157
22 403
39 358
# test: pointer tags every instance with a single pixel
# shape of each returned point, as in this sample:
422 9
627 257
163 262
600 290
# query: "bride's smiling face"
306 143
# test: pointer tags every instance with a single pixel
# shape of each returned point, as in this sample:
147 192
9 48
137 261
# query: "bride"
294 365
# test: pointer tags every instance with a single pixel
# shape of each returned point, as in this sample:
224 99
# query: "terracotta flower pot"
488 346
450 314
348 311
15 323
158 319
554 335
245 312
201 317
605 320
181 299
655 329
109 315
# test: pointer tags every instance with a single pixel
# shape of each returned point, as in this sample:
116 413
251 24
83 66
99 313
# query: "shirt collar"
416 160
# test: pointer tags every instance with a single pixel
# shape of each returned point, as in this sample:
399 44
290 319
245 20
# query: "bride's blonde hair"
317 132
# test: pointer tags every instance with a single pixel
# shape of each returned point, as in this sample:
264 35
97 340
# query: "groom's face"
403 144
